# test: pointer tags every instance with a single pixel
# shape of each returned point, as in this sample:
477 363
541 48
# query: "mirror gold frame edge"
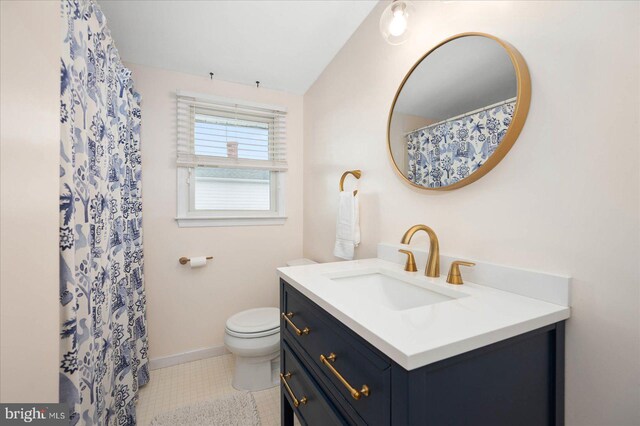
519 115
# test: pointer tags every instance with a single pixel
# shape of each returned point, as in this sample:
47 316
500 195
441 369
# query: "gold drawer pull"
296 402
287 317
355 394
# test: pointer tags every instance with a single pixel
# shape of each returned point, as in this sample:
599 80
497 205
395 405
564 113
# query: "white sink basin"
391 292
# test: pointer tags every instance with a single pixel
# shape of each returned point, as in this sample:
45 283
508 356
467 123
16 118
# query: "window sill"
208 221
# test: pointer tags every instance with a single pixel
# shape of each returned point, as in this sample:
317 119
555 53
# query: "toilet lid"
263 321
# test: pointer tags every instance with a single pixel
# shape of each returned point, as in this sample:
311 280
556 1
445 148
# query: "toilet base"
256 373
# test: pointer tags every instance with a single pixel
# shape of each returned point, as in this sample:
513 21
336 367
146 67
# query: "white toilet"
253 336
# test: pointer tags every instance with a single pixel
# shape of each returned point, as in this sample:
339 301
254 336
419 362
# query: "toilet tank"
298 262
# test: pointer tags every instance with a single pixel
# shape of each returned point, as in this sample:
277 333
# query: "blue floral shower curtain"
103 331
444 153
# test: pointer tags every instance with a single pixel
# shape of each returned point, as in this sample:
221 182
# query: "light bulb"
395 22
398 24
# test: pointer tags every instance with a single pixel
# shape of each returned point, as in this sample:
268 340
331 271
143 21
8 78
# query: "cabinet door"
344 363
310 404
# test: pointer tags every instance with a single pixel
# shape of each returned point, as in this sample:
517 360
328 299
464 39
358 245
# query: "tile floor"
185 384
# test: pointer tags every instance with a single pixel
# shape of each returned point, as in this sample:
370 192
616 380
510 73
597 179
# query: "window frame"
187 216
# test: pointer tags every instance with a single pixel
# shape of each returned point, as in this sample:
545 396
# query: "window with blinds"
230 160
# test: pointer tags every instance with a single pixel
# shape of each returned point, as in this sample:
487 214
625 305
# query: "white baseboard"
184 357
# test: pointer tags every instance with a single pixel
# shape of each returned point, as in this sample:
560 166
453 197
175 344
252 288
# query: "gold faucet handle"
455 277
410 266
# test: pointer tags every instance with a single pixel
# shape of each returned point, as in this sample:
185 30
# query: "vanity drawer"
313 407
340 358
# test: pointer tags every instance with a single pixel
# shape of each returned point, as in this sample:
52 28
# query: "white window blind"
231 158
214 133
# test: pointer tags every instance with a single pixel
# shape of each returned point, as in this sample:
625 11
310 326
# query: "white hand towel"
347 226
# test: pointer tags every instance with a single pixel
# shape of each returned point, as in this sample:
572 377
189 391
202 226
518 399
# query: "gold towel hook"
356 173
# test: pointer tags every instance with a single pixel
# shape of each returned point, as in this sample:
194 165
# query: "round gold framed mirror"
458 111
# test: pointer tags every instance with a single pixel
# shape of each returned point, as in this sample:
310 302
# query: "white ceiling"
463 75
283 44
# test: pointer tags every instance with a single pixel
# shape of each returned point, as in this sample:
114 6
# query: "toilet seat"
254 323
252 335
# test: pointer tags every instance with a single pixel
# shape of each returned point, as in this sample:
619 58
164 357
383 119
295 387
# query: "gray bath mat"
230 410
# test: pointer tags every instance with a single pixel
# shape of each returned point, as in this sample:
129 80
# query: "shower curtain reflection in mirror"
443 153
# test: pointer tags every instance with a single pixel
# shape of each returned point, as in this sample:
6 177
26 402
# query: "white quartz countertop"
478 316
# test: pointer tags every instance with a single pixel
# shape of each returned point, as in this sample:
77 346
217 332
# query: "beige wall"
29 122
565 199
187 308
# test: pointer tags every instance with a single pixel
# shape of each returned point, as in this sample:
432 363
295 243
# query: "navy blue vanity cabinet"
518 381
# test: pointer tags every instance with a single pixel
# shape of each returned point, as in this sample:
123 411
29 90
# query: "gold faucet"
455 277
433 263
410 266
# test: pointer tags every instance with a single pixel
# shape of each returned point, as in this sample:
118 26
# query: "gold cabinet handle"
296 402
287 317
355 394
